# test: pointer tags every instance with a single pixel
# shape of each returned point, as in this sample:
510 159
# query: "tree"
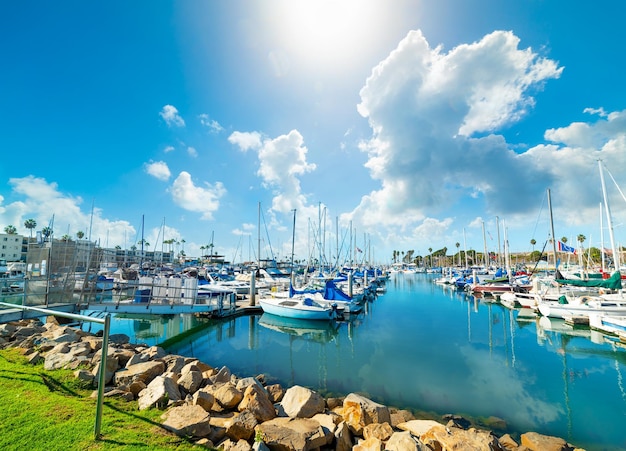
458 245
10 229
66 238
581 238
563 239
30 224
47 232
430 253
80 234
532 243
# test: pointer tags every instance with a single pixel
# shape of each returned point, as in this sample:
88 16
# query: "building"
11 247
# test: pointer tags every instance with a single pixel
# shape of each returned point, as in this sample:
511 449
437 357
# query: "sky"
379 125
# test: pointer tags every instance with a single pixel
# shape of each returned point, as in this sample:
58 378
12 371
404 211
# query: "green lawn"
51 410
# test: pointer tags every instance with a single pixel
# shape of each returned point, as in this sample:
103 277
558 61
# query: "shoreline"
217 406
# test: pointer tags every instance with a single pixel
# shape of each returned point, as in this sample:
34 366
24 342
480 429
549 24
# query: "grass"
52 410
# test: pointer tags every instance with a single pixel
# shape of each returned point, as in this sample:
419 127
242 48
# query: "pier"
156 296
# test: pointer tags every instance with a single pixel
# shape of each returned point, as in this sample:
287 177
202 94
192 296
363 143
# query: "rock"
190 380
187 421
227 395
241 426
223 375
144 372
257 401
418 427
371 444
400 416
343 437
286 434
302 402
245 382
402 441
381 431
441 437
359 411
495 423
457 421
203 399
159 393
230 445
328 421
508 443
539 442
276 392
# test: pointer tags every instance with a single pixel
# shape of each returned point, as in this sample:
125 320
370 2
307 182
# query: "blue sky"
415 122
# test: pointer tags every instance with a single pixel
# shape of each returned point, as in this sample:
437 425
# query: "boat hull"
291 308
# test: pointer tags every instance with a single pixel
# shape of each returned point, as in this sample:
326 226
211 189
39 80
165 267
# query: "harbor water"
432 350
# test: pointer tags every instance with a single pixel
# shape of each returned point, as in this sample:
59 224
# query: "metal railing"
106 321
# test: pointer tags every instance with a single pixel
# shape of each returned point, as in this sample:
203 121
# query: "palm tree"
430 253
581 238
532 243
66 238
30 224
458 245
10 229
563 239
46 232
80 234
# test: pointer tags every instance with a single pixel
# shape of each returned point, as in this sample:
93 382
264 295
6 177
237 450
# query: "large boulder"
241 426
159 393
301 402
402 441
289 434
144 372
257 401
187 421
539 442
442 437
359 411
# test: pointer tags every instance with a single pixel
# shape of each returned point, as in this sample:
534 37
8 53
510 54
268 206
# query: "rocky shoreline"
218 409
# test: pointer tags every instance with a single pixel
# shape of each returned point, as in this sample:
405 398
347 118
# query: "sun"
327 32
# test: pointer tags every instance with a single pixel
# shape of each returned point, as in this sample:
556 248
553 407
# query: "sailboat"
600 302
297 305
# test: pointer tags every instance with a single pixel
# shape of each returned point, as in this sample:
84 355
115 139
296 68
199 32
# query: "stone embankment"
217 409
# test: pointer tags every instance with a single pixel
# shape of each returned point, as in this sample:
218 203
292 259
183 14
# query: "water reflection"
438 350
320 331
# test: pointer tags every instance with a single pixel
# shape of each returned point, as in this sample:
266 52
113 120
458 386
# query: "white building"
11 247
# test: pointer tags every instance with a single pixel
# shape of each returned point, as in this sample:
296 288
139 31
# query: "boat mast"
616 256
602 240
552 228
293 240
485 256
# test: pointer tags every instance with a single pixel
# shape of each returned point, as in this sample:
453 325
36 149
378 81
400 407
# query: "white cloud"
246 229
246 140
158 170
171 117
192 151
168 149
42 201
204 200
211 124
425 107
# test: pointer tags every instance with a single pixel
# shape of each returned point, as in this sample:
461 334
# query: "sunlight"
328 31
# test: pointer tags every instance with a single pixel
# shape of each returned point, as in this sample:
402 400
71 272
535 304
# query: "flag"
565 248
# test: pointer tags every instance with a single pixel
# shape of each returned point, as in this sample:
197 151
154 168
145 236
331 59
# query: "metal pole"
102 375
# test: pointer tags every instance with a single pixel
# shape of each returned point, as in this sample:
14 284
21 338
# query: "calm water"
429 348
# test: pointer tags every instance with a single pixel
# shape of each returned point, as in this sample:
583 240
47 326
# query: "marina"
429 348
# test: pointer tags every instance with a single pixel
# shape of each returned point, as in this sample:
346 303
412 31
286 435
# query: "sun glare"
328 31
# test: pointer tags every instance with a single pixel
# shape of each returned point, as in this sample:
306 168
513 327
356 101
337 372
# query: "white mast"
616 256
